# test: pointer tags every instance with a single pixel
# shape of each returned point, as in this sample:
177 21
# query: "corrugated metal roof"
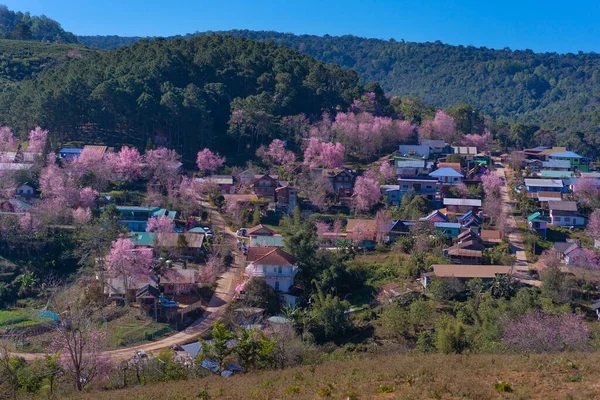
470 271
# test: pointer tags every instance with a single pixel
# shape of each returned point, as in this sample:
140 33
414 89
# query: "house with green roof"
538 223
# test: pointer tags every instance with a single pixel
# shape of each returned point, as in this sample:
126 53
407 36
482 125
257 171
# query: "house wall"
567 220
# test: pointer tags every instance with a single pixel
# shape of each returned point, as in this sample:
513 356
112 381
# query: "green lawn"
127 331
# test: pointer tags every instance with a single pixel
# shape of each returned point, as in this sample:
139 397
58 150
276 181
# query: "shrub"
502 386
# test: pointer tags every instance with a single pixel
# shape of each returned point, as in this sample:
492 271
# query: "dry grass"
560 376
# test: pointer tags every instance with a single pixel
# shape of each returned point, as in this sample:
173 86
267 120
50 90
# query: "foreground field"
558 376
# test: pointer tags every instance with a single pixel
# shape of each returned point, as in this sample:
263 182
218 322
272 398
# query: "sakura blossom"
208 161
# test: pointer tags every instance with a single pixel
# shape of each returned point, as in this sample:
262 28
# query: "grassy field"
128 331
416 376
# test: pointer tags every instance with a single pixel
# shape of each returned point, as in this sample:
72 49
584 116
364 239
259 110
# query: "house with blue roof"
447 176
577 161
69 153
451 229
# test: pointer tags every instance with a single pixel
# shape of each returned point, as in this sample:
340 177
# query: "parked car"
242 232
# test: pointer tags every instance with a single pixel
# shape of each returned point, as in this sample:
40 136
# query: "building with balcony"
274 265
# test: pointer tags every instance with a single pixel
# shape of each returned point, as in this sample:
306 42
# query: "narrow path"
216 307
515 238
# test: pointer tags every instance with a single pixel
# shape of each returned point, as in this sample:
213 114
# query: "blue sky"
526 24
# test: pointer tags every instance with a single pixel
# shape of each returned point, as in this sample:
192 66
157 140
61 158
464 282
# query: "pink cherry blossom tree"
587 190
593 226
387 171
492 184
162 224
482 142
360 233
441 127
208 161
276 153
82 215
366 192
80 344
128 263
541 333
37 140
87 197
322 228
162 166
7 139
322 154
383 223
128 163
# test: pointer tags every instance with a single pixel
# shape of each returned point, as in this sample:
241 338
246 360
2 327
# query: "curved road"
216 307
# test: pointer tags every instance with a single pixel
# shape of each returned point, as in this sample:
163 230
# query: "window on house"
276 285
429 187
279 270
404 186
557 219
567 219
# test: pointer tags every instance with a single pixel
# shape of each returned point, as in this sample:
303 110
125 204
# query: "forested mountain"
20 60
109 42
179 91
557 91
22 26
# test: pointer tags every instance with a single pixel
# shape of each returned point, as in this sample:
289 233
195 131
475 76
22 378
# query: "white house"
565 213
274 265
447 176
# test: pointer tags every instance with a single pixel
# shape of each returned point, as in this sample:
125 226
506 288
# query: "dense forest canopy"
180 91
557 91
23 26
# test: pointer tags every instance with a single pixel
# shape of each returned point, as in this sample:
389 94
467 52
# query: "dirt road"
216 307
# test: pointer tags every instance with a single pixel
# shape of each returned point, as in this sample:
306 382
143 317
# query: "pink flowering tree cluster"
483 142
82 215
208 161
493 204
59 193
366 136
323 154
366 192
7 139
128 263
80 344
37 140
383 225
161 167
541 333
387 171
367 103
360 233
276 153
162 224
587 190
128 163
441 127
593 226
92 169
87 197
492 184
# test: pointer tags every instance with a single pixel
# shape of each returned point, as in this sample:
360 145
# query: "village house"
545 197
224 182
556 165
577 161
400 228
538 223
491 238
184 244
468 153
469 220
436 146
264 186
452 165
287 198
570 252
13 207
462 206
551 174
465 273
434 216
136 218
565 213
447 176
260 235
69 153
412 167
544 185
274 265
450 229
469 249
424 186
19 157
414 151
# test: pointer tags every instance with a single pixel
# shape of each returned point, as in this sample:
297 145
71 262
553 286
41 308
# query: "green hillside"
21 60
24 26
558 91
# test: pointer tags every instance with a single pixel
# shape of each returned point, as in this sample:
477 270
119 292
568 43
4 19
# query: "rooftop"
555 174
565 154
538 217
557 164
562 206
462 202
446 172
556 183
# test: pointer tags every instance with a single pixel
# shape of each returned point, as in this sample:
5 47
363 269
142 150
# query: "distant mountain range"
560 92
